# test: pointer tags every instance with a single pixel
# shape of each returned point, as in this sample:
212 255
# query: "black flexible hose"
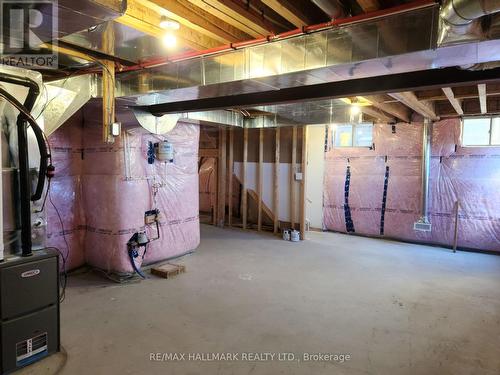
44 155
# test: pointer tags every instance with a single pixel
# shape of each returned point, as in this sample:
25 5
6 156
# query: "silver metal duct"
64 97
392 44
350 52
460 20
74 16
331 8
165 123
423 223
129 44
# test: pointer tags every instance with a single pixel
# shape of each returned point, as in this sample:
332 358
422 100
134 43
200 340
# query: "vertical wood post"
292 177
259 179
276 179
216 195
221 200
303 169
244 198
108 84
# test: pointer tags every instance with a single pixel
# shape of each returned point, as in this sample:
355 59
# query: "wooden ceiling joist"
377 114
481 89
287 10
197 19
235 15
460 92
396 109
471 107
142 17
409 99
368 5
455 103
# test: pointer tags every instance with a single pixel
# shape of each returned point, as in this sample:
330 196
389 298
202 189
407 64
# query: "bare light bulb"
355 109
169 40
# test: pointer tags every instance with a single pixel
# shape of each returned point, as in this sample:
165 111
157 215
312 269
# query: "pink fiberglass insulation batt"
470 175
66 231
116 187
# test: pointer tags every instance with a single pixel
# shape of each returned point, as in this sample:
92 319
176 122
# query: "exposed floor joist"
368 5
453 101
460 92
287 10
471 107
395 109
377 114
409 99
142 17
235 15
197 19
481 89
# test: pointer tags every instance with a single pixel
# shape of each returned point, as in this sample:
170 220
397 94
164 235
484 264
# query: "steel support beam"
426 79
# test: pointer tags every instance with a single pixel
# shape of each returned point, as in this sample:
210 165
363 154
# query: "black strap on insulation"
384 200
349 225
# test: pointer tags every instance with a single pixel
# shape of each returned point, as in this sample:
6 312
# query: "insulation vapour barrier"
102 192
470 175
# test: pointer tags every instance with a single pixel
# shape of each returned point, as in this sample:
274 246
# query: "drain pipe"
423 224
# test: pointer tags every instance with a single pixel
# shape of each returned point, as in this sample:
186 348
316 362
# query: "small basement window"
353 135
481 131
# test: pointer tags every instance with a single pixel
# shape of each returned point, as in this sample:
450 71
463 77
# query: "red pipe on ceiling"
287 34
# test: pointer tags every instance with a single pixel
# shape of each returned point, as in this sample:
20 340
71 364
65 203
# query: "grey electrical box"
29 309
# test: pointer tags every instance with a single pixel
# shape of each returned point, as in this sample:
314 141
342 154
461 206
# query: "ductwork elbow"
460 19
463 12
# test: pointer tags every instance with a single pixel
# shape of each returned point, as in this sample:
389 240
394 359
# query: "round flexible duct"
460 19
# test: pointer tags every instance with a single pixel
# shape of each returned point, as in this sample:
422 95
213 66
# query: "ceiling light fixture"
169 24
355 109
169 40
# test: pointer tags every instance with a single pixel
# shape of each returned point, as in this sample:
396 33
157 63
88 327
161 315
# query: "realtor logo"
25 28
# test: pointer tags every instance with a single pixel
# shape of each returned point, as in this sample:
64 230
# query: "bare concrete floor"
394 308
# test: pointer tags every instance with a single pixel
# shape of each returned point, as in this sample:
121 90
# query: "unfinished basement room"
233 187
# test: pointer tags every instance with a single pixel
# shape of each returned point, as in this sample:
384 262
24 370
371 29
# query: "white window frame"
490 117
353 129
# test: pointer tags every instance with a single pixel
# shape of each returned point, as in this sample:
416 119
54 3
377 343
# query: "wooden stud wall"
280 146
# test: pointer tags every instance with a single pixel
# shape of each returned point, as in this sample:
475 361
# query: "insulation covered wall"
116 185
66 193
470 175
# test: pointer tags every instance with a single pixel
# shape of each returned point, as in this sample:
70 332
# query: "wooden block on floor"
168 270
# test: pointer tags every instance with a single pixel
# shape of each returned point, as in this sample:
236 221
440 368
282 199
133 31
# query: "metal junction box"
29 309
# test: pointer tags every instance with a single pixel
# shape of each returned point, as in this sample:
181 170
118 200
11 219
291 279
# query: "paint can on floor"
286 234
295 236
